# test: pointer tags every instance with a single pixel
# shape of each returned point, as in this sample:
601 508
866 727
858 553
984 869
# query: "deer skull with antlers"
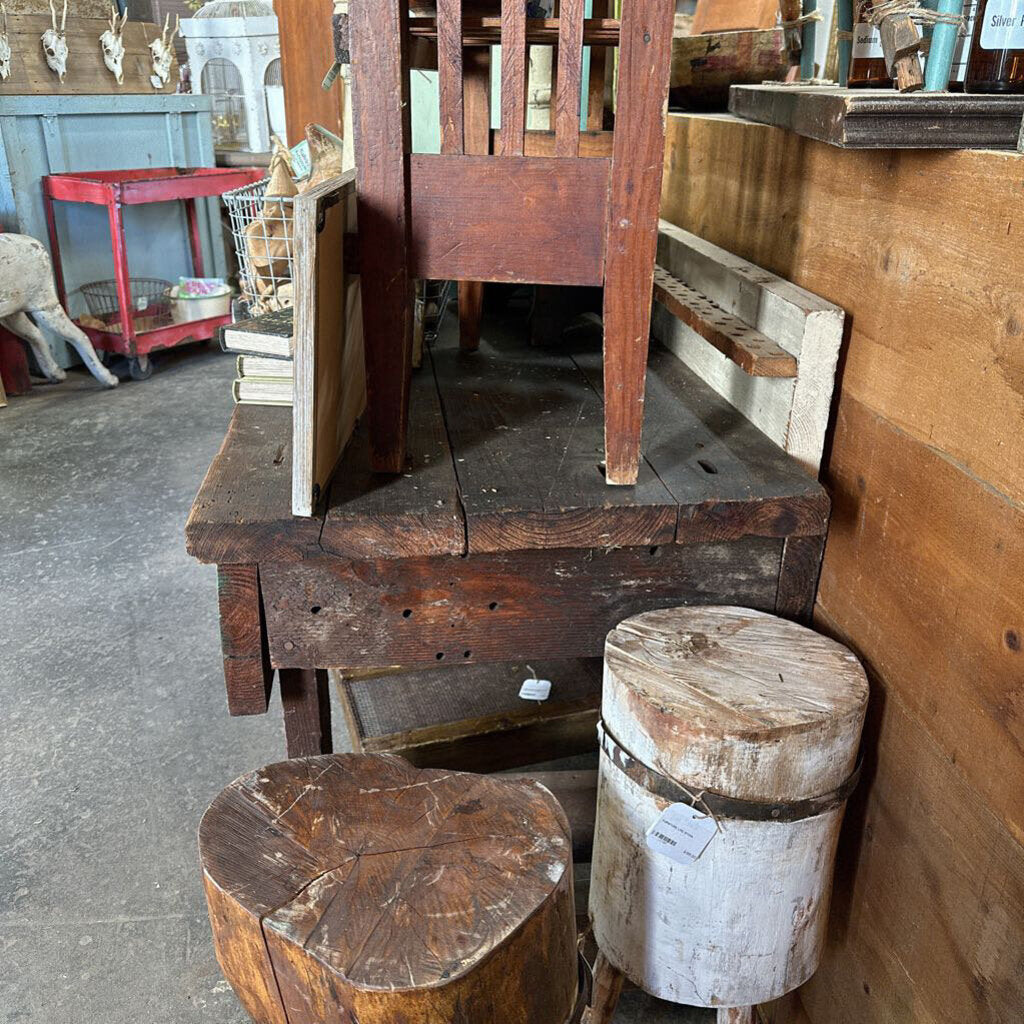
55 43
162 50
112 42
5 48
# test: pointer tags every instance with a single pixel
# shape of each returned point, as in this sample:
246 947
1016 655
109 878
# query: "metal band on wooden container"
717 804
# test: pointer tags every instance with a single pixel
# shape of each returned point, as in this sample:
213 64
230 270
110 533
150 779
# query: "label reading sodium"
867 42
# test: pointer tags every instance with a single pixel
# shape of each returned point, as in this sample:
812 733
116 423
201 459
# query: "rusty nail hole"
707 466
315 609
407 614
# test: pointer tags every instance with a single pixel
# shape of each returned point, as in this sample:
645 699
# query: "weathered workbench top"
505 453
502 540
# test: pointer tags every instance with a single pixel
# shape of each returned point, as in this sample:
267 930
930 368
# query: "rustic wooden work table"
502 541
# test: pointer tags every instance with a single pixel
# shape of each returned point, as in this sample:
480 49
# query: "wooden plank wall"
924 567
307 54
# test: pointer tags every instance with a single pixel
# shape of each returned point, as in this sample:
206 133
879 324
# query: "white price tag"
535 689
682 833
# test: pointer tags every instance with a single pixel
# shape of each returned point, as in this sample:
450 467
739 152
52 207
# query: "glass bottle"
867 63
997 50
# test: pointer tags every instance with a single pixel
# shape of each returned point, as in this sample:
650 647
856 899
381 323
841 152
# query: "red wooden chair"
561 207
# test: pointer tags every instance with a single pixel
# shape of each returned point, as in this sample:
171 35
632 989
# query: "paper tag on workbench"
535 689
682 833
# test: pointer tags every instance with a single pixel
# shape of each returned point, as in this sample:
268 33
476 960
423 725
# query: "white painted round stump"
749 708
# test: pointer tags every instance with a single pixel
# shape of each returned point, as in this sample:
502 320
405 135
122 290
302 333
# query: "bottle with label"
997 50
867 62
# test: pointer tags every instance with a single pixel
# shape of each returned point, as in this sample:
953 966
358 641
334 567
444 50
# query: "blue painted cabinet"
56 134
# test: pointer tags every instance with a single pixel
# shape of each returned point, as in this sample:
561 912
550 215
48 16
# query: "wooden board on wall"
330 382
916 246
793 412
307 54
923 567
86 72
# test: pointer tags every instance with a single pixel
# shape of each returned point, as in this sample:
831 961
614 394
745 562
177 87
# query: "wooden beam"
570 78
533 231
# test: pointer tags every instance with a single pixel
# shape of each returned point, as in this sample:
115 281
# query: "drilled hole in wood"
407 614
439 655
706 466
315 609
467 654
493 606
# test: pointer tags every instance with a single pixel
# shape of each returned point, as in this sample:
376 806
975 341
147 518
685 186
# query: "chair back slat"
513 77
570 78
599 61
449 66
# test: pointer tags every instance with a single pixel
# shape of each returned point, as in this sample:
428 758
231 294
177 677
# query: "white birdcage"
234 57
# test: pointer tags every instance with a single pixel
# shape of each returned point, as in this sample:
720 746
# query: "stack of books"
266 372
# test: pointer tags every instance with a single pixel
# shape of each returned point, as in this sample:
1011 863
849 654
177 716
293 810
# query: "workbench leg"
798 577
306 697
608 981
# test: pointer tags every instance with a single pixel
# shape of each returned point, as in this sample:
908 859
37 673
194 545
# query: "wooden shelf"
883 118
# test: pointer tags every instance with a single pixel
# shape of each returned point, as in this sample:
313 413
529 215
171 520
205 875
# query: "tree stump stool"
356 889
729 744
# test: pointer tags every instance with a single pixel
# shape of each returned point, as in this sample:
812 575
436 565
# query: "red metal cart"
114 190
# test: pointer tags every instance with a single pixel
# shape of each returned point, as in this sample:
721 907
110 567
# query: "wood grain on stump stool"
764 717
356 889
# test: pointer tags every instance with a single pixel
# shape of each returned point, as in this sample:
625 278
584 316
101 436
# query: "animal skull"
162 50
112 42
5 48
55 44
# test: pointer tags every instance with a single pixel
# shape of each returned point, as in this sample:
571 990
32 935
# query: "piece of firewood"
356 887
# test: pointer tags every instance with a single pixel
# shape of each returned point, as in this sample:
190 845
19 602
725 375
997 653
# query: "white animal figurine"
26 286
5 48
55 43
162 50
112 42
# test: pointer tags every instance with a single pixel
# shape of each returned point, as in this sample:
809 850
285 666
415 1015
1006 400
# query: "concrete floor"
114 730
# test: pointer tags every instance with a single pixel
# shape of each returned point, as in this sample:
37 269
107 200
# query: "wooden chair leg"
736 1015
608 982
626 327
471 307
306 697
382 134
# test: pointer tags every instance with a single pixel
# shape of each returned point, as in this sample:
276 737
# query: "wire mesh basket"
262 232
149 296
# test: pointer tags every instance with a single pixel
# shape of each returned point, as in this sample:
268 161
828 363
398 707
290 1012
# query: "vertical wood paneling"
513 77
449 67
570 78
637 153
307 51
